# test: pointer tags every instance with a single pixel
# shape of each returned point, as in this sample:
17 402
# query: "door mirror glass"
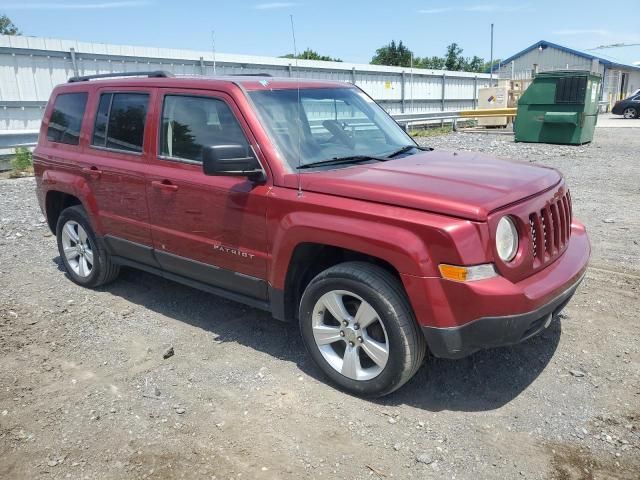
230 160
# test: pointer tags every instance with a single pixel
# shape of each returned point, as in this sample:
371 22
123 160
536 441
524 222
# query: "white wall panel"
19 118
30 67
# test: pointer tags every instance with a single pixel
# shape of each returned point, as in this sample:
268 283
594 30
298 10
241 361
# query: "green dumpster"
559 107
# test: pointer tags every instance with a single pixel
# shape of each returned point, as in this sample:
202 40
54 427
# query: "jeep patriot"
305 199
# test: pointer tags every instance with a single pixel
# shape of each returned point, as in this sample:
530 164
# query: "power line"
614 45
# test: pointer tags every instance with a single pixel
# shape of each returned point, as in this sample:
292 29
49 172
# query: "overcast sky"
348 29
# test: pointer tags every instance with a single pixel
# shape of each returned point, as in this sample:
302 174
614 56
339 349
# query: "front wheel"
630 112
360 330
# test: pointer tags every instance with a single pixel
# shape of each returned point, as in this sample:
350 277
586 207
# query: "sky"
347 29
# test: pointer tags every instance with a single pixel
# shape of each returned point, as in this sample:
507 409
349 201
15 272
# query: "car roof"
249 82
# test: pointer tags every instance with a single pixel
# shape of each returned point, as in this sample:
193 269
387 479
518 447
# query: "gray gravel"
86 393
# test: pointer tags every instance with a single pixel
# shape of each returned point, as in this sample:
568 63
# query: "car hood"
466 185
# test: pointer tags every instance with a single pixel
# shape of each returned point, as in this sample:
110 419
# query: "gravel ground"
86 393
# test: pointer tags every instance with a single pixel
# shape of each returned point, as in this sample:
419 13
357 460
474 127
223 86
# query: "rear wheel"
83 254
630 112
360 330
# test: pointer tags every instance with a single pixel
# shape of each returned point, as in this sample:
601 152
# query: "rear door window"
120 121
66 118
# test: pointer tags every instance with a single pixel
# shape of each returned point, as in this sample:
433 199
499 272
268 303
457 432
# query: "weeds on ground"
22 163
431 132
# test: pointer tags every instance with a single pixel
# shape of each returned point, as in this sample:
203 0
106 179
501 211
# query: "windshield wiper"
406 148
343 160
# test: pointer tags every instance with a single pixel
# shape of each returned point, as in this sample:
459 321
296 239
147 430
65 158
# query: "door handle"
164 185
93 172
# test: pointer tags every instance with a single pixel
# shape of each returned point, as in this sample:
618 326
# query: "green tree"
453 59
487 65
309 54
475 64
433 63
7 27
395 55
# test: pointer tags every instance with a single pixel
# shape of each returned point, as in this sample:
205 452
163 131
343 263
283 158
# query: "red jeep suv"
305 199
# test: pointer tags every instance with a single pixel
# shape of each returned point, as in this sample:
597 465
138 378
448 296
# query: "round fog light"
506 239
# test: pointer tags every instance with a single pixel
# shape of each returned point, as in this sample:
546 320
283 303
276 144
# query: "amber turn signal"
467 274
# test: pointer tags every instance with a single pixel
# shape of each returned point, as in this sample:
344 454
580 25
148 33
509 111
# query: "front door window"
191 123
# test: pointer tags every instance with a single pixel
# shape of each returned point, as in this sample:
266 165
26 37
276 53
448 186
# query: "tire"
630 112
76 239
358 286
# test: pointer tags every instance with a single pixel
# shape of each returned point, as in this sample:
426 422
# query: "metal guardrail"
407 119
10 140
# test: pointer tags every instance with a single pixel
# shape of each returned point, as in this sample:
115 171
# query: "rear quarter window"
66 118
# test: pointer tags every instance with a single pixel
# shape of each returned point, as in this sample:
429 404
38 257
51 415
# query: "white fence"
31 66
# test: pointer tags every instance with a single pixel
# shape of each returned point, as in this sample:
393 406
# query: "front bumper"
617 110
487 332
459 318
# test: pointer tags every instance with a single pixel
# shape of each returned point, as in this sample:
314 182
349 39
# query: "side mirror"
231 160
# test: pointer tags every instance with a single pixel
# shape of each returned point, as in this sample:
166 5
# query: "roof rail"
153 74
251 75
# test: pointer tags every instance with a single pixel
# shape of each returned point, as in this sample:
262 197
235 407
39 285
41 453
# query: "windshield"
333 123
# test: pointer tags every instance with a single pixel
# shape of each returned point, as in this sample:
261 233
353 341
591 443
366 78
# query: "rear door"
209 228
116 159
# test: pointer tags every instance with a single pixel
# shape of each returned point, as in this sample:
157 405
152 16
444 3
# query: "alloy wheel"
77 248
350 335
629 113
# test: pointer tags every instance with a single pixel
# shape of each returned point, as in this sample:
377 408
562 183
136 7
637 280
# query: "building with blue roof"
619 79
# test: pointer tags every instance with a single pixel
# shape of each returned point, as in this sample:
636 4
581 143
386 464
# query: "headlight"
506 239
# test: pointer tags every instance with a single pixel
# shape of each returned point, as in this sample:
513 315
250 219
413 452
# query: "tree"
454 60
433 63
398 55
487 65
7 27
395 55
309 54
475 64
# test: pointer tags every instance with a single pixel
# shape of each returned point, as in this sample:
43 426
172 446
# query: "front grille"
550 229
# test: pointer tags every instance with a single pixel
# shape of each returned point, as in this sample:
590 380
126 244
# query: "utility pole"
491 60
213 48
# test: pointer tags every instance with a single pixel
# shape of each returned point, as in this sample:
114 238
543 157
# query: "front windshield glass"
333 123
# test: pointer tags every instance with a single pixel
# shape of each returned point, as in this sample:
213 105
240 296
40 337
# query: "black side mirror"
231 160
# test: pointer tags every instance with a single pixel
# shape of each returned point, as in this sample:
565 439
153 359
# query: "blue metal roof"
580 53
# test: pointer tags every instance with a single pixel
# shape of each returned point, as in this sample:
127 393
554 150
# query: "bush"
431 131
22 162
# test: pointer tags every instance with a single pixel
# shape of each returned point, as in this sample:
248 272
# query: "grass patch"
431 132
22 163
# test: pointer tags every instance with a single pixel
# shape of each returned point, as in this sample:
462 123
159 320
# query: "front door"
209 228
